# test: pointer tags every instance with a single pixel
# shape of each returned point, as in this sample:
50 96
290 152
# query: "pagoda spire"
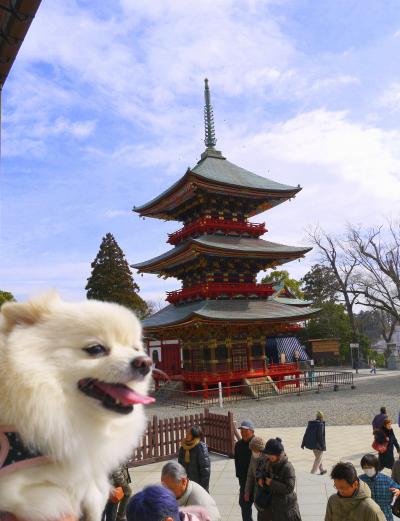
209 140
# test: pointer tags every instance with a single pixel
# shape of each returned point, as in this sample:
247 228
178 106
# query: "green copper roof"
248 244
235 310
292 301
214 167
223 171
233 244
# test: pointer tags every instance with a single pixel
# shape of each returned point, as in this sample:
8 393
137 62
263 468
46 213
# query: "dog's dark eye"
97 350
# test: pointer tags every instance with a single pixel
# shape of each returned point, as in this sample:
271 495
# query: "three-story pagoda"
222 317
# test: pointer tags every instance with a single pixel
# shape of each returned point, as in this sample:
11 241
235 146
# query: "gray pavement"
348 415
346 443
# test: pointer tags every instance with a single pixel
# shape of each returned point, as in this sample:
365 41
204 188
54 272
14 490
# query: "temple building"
221 325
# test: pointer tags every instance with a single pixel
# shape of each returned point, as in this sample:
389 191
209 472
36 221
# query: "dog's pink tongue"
124 394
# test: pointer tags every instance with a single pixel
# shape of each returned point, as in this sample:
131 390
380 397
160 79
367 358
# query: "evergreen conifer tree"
111 279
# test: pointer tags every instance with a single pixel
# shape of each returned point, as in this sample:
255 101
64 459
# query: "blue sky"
103 110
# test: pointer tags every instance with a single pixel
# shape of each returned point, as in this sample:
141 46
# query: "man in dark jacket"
378 420
314 439
242 462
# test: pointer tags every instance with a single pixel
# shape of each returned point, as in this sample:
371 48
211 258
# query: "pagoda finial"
209 140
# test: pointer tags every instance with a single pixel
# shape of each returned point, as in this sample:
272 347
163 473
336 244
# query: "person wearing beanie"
256 445
276 473
314 439
242 462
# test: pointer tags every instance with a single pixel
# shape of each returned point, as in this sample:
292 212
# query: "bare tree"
333 253
154 306
388 324
377 285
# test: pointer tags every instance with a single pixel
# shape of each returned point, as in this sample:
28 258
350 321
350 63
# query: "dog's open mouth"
117 397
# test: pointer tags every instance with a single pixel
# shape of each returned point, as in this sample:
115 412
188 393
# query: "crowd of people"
267 480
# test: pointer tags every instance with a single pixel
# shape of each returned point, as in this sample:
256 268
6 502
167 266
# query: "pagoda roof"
222 245
292 301
285 295
221 170
15 19
227 310
218 174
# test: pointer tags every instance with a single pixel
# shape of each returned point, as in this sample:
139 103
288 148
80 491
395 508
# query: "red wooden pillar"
205 390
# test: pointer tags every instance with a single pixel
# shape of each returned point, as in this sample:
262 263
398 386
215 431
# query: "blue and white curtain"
288 345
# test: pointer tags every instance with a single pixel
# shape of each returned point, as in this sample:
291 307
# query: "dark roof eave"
221 244
14 24
146 206
287 192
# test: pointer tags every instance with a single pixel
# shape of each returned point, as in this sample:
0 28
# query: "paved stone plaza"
343 443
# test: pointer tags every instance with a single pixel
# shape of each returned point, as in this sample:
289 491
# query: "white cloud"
79 129
390 98
32 108
146 59
334 82
139 66
350 152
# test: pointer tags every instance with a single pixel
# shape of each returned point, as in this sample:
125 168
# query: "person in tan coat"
353 501
256 445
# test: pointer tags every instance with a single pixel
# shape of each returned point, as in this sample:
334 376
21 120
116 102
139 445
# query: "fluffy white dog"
73 381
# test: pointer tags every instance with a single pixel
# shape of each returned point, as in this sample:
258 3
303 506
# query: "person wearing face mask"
386 436
353 501
278 475
382 487
256 445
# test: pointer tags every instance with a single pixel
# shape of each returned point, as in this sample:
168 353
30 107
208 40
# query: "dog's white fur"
41 361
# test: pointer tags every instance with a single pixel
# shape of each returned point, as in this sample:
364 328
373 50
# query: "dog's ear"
29 312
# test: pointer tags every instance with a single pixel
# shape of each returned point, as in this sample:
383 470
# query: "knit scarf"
188 446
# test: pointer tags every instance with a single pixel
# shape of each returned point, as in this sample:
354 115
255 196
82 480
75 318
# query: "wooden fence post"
161 440
231 434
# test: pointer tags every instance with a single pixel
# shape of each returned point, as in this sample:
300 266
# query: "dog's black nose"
142 364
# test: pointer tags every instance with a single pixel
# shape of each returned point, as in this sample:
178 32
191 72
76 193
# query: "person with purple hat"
242 462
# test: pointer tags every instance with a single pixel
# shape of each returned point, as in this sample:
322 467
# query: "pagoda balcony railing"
216 289
209 225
